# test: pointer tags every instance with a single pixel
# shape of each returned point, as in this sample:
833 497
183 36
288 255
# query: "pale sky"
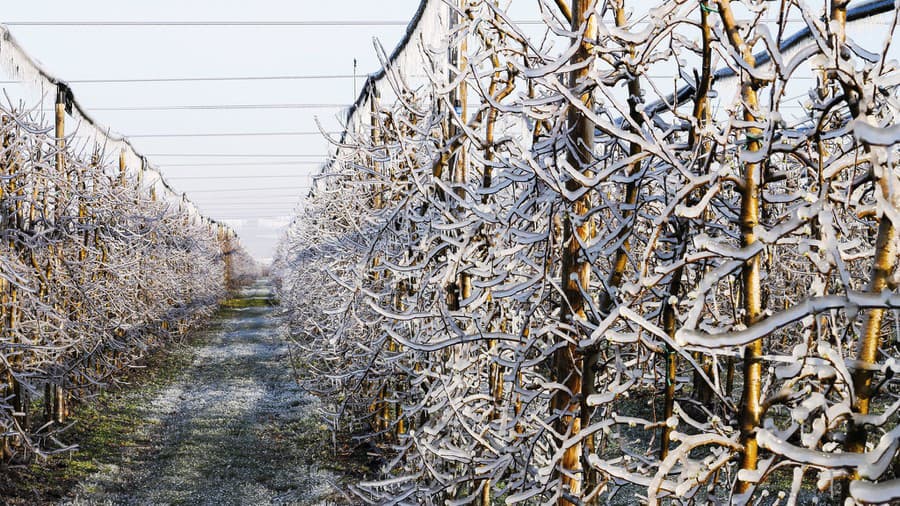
254 194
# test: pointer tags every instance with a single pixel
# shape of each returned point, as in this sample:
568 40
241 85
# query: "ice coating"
503 292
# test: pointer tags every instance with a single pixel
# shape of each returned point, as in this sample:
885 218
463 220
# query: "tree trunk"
751 295
576 270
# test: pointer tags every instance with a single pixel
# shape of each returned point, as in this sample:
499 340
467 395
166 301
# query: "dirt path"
233 428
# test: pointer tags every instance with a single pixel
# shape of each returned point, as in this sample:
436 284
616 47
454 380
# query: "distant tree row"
636 254
96 269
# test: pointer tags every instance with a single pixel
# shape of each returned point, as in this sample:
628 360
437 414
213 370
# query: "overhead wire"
216 107
241 164
280 203
256 217
250 205
227 134
192 24
202 79
235 155
248 176
253 189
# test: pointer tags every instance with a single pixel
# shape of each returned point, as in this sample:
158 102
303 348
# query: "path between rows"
231 429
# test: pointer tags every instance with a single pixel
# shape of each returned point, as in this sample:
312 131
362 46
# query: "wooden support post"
887 256
460 161
751 288
495 372
57 398
229 261
123 168
139 181
60 130
9 312
576 270
383 414
670 323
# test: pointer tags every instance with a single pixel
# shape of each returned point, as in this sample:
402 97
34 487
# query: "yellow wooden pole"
58 397
751 289
576 270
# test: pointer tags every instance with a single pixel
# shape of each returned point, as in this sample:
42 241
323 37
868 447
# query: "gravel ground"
234 428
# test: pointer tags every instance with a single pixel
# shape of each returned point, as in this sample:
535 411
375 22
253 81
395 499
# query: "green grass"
104 430
111 429
246 302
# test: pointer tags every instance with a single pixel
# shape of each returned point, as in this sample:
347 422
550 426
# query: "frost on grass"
224 432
